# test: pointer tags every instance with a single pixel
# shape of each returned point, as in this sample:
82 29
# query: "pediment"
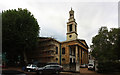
83 42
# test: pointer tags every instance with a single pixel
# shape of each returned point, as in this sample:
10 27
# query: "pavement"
83 71
20 69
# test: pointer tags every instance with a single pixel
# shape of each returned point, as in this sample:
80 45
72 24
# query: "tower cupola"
71 27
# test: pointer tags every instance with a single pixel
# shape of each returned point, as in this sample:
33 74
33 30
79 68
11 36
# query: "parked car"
12 72
49 69
90 66
31 67
82 66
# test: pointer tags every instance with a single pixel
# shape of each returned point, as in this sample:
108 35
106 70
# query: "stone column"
68 28
76 56
80 55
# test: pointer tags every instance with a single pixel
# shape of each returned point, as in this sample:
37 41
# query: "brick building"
70 53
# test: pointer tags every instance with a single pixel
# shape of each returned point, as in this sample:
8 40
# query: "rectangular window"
63 50
70 60
74 60
74 52
70 27
56 50
75 27
70 50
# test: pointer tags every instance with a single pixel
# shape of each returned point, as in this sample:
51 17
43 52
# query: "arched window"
71 15
56 59
63 59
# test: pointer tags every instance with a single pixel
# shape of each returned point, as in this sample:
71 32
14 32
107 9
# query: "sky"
53 15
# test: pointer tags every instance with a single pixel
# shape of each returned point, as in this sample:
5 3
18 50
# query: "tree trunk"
25 57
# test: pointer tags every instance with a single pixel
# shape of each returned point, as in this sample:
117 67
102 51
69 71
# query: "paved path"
82 71
85 70
19 69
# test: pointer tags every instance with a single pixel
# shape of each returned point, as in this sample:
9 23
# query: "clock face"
70 36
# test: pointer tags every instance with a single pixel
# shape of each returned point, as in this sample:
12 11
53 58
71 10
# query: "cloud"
52 16
93 15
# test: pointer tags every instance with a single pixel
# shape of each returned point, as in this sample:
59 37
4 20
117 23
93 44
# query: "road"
83 71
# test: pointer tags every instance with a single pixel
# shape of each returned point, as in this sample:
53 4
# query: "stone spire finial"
71 8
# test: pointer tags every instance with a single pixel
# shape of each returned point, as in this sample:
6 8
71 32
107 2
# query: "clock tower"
71 27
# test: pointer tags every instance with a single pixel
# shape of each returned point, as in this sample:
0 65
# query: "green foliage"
108 67
106 47
20 32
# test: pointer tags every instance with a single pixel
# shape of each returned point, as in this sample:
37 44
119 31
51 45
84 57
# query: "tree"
20 32
99 43
114 39
106 47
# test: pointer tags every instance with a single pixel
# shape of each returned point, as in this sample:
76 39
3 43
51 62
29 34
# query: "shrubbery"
107 67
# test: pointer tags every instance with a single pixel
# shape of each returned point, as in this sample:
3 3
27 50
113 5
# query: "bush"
108 67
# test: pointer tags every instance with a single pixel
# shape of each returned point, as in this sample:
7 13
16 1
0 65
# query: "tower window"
70 27
75 27
70 36
63 50
71 15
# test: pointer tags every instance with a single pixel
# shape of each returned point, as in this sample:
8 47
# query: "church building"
76 50
70 53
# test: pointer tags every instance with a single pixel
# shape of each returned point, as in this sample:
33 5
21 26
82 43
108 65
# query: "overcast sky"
52 15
